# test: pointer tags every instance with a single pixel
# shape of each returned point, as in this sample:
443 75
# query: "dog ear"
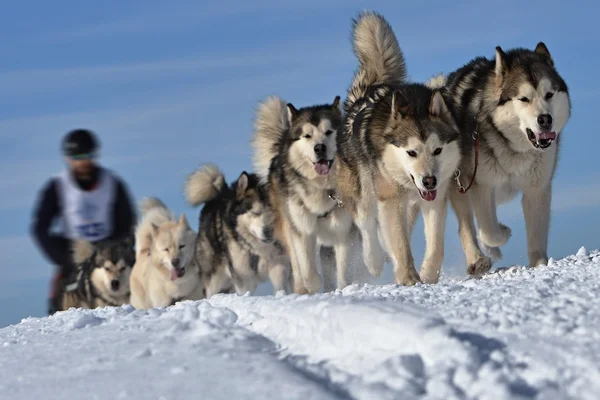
501 66
336 103
439 108
155 229
292 113
242 185
183 220
401 107
542 50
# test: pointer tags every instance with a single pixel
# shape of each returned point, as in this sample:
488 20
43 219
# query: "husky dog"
102 277
511 111
397 154
235 248
294 153
165 270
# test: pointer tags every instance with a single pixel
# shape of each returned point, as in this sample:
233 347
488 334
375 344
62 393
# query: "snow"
517 333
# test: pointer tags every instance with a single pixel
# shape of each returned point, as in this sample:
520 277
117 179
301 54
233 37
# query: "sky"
168 86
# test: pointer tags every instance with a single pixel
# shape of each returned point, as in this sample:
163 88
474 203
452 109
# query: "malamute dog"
102 278
294 153
236 248
397 154
165 270
511 111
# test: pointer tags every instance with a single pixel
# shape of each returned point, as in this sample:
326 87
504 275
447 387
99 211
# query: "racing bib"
87 215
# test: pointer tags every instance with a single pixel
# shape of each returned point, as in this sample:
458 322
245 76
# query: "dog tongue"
322 167
430 195
547 136
174 274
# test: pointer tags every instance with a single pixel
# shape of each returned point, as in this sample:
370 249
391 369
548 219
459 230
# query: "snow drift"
517 333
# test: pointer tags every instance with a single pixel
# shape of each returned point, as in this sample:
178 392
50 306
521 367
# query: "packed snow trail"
519 333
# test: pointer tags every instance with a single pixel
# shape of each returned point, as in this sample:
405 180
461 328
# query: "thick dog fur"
102 277
397 154
299 147
518 104
165 270
235 247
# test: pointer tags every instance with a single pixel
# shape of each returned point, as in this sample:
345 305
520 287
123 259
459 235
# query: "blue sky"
170 85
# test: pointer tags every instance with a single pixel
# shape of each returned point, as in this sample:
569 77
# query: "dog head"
419 140
113 262
312 134
252 211
533 103
174 245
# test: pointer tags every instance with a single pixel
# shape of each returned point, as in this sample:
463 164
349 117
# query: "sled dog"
511 110
397 154
165 270
236 247
102 277
294 154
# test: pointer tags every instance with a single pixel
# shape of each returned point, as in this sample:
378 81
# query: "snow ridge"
517 333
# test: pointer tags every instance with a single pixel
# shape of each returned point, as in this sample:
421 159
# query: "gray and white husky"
397 154
294 153
511 111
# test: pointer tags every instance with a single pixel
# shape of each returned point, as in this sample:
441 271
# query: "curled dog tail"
204 184
437 82
270 124
380 60
154 213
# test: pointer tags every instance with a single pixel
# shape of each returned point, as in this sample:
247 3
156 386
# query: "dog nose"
545 121
320 150
268 233
429 182
114 285
175 262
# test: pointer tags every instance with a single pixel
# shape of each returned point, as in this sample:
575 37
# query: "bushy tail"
269 126
437 82
81 250
154 212
204 184
379 56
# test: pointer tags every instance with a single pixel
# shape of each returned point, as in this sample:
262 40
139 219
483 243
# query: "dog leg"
536 209
434 217
342 251
477 263
305 246
137 294
373 254
491 232
327 256
394 231
279 276
298 282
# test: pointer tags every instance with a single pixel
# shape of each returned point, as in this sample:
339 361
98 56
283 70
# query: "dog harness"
86 214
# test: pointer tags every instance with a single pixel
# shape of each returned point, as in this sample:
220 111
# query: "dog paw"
374 260
300 289
493 252
497 238
480 267
408 277
313 283
538 259
430 273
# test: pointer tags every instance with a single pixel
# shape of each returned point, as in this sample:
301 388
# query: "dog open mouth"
177 273
427 195
542 140
323 166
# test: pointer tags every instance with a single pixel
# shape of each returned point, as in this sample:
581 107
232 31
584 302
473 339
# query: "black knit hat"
79 142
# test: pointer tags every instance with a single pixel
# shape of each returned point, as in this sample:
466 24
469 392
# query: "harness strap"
461 188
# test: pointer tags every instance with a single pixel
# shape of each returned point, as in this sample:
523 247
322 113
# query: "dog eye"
412 153
181 246
307 136
328 132
167 250
549 95
524 99
437 151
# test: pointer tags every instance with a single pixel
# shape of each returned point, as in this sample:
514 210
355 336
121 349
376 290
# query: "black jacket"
56 247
